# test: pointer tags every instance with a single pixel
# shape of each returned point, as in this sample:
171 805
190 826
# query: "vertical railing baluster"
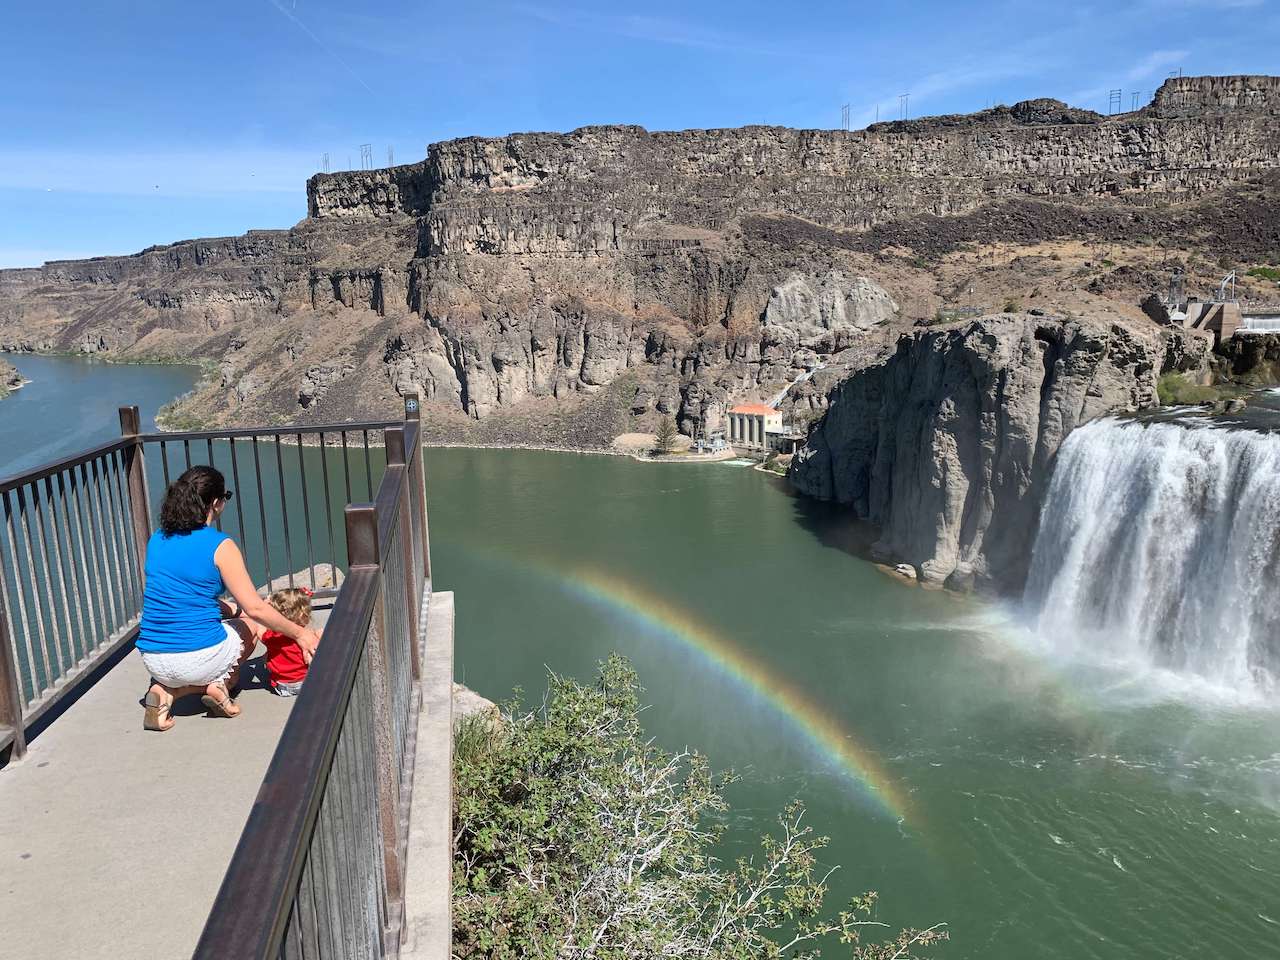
186 452
362 551
368 469
328 507
284 510
394 440
58 568
134 557
110 549
138 497
262 511
24 515
96 557
164 462
72 553
346 464
306 513
11 698
24 624
413 413
235 485
131 572
56 629
217 521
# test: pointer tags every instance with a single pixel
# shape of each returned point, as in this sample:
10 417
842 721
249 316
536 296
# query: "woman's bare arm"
230 563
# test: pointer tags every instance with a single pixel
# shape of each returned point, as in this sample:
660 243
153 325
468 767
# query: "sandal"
220 706
156 716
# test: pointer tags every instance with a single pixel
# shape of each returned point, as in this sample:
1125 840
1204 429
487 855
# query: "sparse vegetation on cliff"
1175 389
576 837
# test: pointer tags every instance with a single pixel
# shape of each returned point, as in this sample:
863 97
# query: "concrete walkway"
114 840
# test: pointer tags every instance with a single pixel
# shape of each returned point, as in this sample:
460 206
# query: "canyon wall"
665 273
946 440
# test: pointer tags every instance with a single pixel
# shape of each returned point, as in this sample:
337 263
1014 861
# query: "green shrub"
1012 306
1266 273
1175 388
575 836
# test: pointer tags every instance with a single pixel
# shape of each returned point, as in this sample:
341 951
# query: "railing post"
417 474
139 501
396 458
362 551
10 691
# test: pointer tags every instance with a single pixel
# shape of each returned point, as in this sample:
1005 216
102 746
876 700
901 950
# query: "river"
71 403
1040 804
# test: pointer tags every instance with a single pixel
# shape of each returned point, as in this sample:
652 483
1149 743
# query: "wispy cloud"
931 86
1204 4
188 173
1155 62
660 30
1152 68
288 13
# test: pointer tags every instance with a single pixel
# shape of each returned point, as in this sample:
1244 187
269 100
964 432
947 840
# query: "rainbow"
824 736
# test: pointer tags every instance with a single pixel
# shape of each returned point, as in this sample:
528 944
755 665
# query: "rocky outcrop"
10 378
944 439
650 273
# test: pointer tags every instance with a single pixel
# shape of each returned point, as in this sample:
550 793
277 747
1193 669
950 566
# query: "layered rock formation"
10 378
556 287
945 439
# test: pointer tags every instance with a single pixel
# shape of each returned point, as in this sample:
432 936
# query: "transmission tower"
324 163
1135 100
391 156
904 103
844 117
366 156
1113 101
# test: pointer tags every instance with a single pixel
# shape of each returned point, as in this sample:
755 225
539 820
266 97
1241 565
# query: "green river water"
1039 808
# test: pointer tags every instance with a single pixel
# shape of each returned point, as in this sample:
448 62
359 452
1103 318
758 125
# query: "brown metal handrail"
73 536
319 869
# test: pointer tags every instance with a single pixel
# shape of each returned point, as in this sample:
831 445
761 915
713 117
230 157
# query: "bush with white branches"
576 838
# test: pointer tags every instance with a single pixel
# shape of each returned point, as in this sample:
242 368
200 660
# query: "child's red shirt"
284 658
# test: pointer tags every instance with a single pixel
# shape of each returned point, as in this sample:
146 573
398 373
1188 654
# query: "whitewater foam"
1158 550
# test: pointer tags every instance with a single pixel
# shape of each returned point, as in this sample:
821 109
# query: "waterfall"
1159 546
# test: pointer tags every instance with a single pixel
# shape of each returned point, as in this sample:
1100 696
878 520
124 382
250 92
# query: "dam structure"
313 827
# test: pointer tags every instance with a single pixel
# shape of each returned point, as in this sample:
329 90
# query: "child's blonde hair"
294 603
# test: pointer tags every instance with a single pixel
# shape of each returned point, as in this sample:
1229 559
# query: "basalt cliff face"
946 438
563 288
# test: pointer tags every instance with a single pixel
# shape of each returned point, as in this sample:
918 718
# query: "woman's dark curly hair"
187 501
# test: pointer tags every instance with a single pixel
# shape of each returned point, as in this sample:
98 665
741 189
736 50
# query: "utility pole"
366 156
904 101
391 156
1113 101
324 163
844 117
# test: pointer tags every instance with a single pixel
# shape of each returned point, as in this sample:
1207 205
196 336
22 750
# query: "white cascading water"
1159 546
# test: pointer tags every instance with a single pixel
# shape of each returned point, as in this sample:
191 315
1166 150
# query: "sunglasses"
226 497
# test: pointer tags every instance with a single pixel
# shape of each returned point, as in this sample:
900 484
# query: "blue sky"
138 122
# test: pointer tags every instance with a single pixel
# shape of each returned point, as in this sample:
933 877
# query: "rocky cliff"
560 288
10 378
944 439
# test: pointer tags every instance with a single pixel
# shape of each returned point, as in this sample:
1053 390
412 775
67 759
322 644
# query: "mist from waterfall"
1159 547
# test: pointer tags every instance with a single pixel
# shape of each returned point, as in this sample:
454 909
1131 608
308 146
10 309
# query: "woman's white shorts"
196 667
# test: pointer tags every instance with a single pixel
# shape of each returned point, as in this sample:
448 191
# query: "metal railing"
70 575
319 869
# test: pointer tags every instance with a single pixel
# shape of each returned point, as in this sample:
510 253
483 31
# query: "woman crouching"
190 640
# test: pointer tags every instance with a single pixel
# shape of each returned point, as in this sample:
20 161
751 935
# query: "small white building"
751 423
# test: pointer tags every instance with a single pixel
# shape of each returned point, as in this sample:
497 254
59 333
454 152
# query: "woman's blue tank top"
180 609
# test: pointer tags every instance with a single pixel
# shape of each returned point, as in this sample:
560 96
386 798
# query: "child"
286 664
